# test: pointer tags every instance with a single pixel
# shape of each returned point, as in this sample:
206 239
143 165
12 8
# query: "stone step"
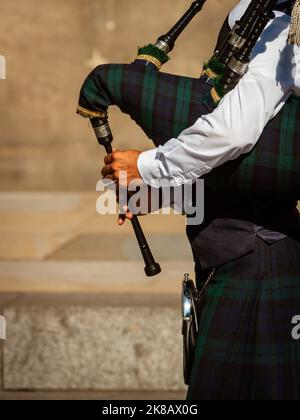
83 321
123 248
115 344
89 277
37 226
83 326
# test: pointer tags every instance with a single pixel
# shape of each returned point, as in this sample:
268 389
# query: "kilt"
245 349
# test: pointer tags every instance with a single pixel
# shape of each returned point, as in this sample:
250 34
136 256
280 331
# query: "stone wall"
50 46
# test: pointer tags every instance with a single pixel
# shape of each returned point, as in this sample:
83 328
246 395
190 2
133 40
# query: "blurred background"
82 319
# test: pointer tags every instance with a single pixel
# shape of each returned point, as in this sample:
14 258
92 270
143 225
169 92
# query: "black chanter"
105 138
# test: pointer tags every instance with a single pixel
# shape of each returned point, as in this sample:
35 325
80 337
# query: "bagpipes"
164 105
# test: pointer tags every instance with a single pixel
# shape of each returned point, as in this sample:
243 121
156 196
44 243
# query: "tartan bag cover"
164 105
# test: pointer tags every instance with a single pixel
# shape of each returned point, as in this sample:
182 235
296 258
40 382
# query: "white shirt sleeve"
236 125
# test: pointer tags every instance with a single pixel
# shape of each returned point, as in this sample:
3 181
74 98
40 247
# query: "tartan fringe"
85 113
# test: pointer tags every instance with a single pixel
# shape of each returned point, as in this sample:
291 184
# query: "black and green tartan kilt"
245 349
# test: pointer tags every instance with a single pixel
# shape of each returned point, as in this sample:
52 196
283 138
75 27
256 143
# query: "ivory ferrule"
237 41
163 46
102 131
237 66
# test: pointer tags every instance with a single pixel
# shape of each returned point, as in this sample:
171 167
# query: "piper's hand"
123 217
125 162
152 206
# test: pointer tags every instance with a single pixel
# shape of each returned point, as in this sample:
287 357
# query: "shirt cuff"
148 167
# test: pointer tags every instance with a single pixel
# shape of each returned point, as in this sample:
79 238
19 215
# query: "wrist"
148 167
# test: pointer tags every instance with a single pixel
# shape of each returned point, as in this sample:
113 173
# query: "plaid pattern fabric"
273 166
245 350
164 105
